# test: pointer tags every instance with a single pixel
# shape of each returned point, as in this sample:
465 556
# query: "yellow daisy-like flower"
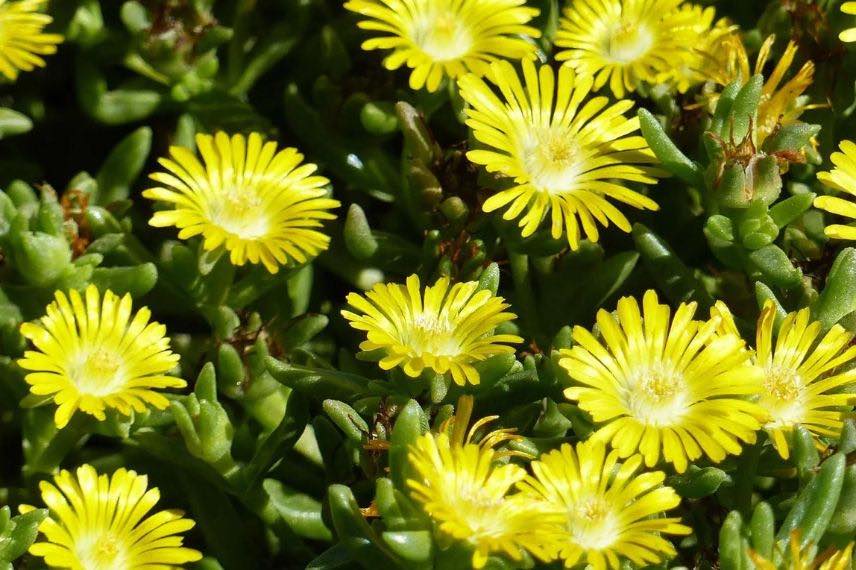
782 102
447 38
91 354
261 204
570 155
609 510
446 329
22 37
848 35
842 178
801 382
666 386
466 492
625 42
98 522
805 559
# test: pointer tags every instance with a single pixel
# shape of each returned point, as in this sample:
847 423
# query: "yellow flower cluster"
679 388
662 388
665 386
92 353
570 154
578 505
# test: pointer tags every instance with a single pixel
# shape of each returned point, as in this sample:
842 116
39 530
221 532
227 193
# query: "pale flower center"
657 395
628 42
783 396
240 212
98 372
552 160
481 512
101 551
443 36
433 334
592 524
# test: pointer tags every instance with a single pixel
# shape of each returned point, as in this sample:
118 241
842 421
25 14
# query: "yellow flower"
93 354
570 155
465 490
608 510
842 178
98 522
661 385
22 37
805 559
801 382
446 328
625 42
689 70
848 35
447 38
781 103
262 205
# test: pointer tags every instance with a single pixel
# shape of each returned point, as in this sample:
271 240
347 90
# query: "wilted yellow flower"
724 58
22 37
465 491
98 522
93 354
263 206
624 42
782 102
688 71
570 154
842 178
447 328
848 35
447 38
801 382
804 558
609 511
670 387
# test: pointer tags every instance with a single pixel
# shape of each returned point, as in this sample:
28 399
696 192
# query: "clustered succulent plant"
424 284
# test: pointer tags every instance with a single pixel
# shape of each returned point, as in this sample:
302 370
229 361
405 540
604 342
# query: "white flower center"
628 42
552 160
592 524
481 511
101 551
240 212
783 396
433 334
443 36
98 372
657 395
